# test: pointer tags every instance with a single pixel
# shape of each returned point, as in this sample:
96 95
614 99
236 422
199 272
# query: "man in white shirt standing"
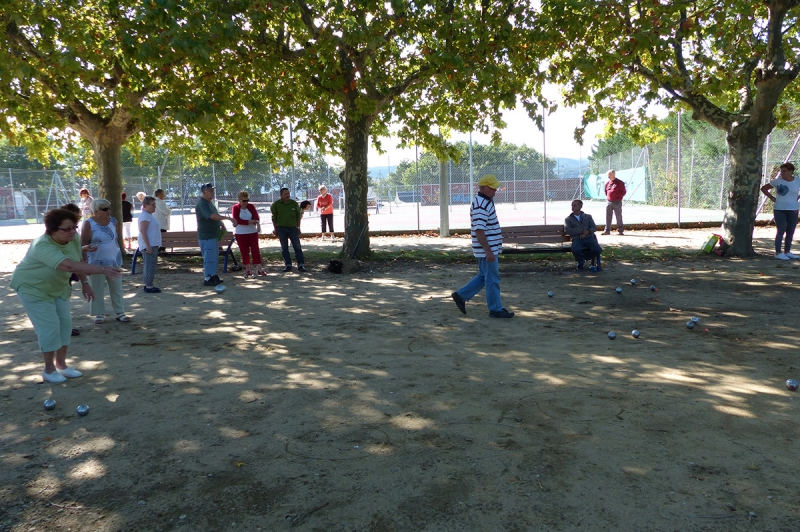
487 244
162 212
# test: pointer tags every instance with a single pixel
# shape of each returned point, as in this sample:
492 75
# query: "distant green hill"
379 172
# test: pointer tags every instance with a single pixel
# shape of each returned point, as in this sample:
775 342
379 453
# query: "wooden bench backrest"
535 234
186 239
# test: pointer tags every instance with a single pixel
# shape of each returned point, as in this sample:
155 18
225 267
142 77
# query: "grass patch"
427 256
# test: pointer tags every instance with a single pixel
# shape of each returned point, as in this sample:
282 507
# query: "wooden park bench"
544 238
536 239
186 243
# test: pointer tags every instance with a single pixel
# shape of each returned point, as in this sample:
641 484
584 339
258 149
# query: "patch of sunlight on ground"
735 411
92 468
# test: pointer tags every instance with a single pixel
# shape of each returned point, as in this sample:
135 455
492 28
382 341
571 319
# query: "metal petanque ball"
220 288
633 281
791 384
695 319
49 404
550 294
82 410
652 288
635 333
690 324
612 335
619 290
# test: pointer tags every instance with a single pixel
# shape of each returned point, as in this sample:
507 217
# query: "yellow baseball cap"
489 180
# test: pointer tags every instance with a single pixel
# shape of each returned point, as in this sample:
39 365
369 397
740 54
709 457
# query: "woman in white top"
85 204
149 242
787 187
99 232
246 233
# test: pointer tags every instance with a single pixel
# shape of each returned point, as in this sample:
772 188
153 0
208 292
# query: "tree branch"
701 106
399 88
307 17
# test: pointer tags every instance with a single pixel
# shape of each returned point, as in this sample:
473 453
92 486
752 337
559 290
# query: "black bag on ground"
335 266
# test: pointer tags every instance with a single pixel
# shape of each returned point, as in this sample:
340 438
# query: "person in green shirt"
286 215
209 225
41 281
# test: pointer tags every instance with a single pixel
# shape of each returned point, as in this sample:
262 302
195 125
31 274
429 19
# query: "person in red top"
325 208
615 191
246 233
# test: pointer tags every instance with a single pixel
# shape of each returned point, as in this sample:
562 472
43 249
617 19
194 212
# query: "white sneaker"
791 255
781 256
54 377
70 373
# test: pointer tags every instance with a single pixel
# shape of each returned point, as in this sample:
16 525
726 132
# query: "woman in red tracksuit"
246 233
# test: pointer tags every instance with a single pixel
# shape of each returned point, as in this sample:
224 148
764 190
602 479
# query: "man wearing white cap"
487 243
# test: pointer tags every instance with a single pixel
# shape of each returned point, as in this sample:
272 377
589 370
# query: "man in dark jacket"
581 228
615 191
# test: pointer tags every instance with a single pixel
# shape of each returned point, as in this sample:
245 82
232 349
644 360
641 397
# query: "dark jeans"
329 219
586 249
285 234
785 221
615 208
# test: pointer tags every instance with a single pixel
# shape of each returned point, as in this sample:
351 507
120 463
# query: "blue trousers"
586 248
785 223
489 277
285 234
210 250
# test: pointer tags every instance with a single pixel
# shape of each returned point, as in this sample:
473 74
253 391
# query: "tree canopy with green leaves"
342 73
730 63
115 70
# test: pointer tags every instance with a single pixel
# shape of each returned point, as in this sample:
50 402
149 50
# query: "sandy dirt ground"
368 402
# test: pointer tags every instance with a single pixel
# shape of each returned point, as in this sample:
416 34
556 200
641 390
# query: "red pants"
248 244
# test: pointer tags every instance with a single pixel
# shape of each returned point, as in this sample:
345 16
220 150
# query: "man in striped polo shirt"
487 244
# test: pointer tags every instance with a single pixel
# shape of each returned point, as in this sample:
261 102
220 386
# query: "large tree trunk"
356 220
746 146
107 150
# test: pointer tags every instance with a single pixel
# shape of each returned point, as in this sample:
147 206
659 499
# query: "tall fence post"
444 200
722 185
680 113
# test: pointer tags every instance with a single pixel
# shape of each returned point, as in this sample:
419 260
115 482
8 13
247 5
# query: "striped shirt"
484 217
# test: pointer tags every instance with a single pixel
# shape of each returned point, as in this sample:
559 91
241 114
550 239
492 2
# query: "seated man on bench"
581 228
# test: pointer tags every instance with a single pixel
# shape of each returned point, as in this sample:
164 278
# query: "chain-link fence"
683 177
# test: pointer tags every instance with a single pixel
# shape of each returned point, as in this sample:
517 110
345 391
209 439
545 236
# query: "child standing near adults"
325 208
785 209
246 233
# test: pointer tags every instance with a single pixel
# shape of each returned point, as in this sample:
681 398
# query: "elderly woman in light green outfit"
41 281
99 232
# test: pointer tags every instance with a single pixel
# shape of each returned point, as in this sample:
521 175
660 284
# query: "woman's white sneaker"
791 255
70 373
781 256
54 377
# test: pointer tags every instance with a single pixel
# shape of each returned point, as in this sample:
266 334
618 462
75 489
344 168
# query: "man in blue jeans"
209 225
487 243
286 216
